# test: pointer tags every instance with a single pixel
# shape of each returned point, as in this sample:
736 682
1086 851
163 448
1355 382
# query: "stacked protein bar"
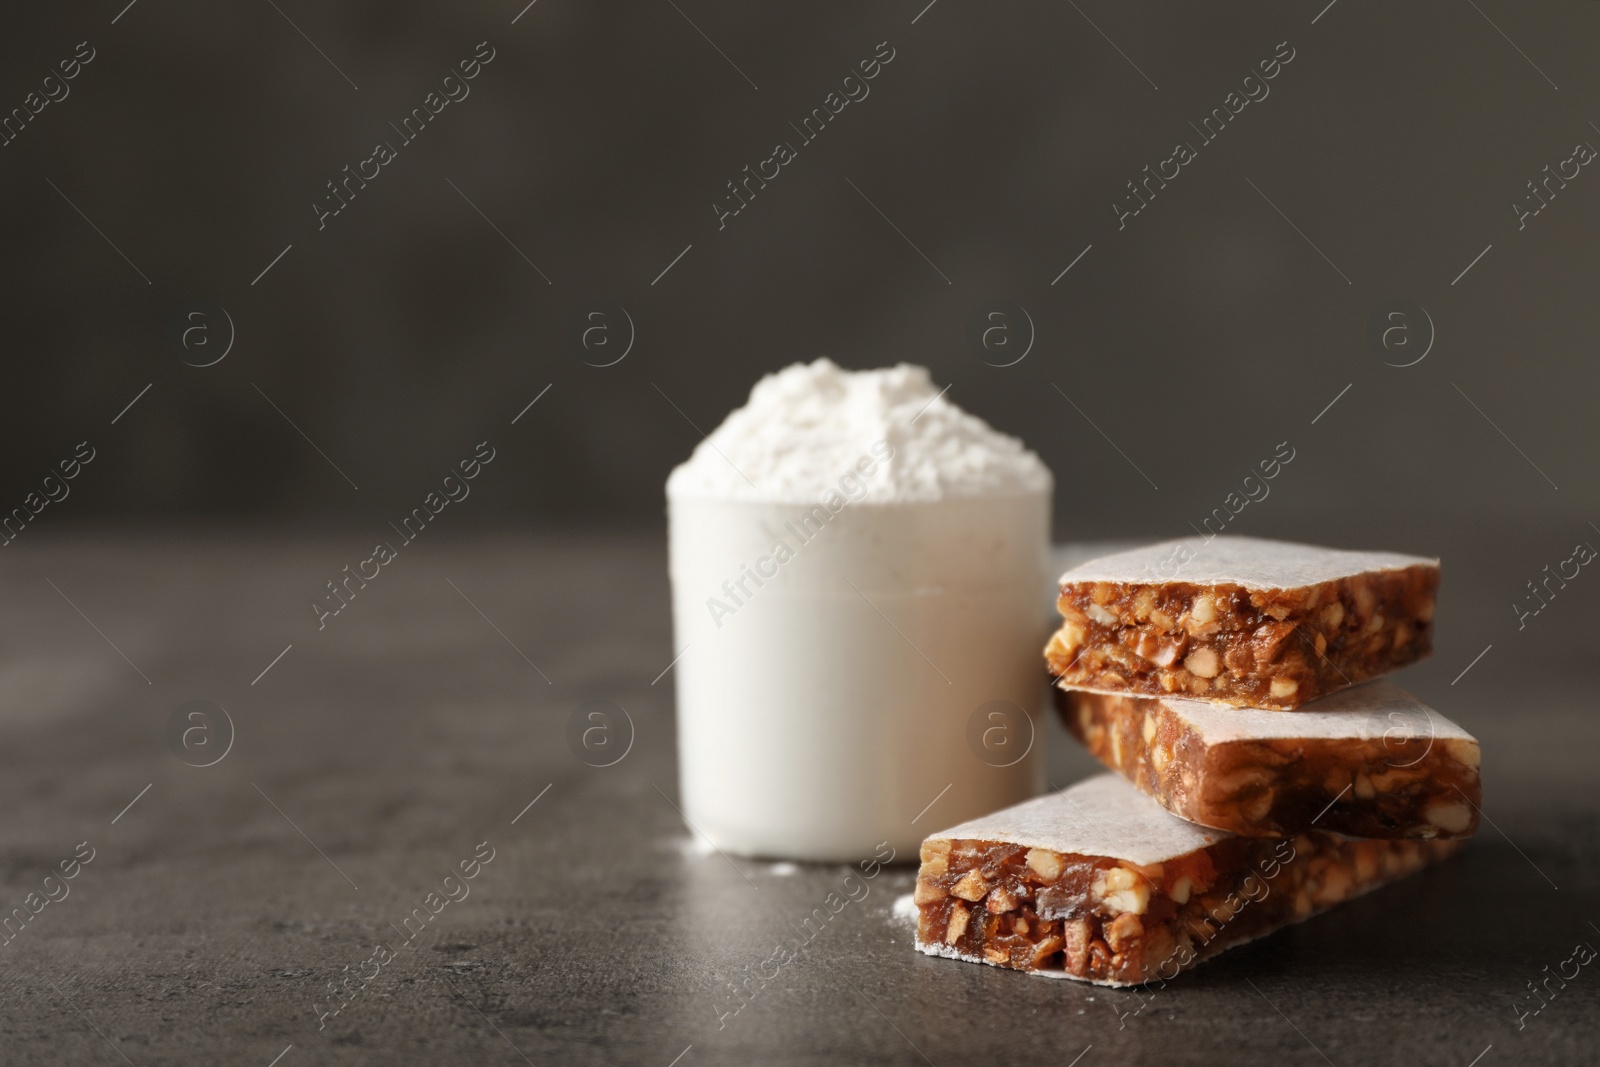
1260 781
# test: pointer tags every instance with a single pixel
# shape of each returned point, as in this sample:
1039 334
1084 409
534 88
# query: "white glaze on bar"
1250 562
1103 816
1374 711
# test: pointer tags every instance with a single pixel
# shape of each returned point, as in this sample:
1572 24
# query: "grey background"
997 140
1190 343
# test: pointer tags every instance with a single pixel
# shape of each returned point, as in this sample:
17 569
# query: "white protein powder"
807 424
857 567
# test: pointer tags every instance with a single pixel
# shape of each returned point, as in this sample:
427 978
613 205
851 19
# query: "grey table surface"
376 754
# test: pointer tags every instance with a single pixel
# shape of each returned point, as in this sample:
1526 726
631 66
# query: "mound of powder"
809 424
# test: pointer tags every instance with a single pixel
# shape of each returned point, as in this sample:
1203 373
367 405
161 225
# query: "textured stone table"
376 754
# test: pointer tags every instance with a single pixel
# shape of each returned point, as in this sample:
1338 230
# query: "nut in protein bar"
1369 761
1241 621
1099 883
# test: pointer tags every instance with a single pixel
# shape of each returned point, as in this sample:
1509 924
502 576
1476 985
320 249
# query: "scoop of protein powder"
857 569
